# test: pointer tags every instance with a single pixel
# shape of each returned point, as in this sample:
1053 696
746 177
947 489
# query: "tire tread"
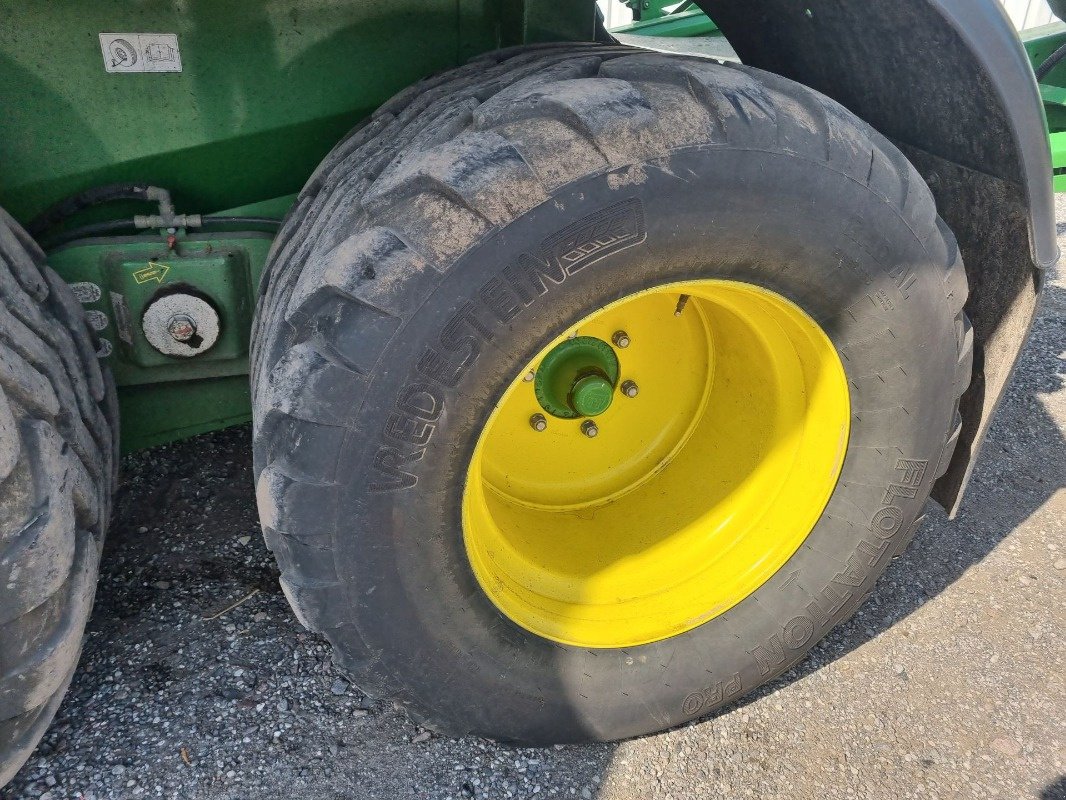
450 160
58 468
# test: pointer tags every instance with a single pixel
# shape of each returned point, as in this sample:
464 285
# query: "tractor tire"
58 461
482 219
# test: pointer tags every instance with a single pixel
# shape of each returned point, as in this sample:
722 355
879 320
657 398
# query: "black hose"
85 231
1050 63
112 226
209 219
70 206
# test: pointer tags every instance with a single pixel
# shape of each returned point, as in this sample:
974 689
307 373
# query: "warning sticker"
140 52
153 272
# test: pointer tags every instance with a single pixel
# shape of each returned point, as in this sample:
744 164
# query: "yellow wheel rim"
691 494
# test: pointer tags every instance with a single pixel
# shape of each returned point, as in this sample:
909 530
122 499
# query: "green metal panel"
1058 160
1042 41
165 412
265 91
529 21
691 22
1039 44
162 398
645 10
118 277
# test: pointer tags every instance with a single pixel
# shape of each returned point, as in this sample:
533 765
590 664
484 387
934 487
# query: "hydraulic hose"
86 231
97 195
119 225
223 220
1050 63
142 192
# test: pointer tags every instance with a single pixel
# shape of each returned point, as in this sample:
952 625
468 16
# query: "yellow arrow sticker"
153 272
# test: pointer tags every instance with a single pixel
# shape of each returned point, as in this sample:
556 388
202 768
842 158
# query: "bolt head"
529 376
620 339
538 423
181 327
630 388
590 429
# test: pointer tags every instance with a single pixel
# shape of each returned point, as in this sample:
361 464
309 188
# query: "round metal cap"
591 395
181 325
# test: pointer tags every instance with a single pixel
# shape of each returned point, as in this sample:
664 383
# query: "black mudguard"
949 82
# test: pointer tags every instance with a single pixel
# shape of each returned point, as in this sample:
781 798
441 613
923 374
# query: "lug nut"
538 423
630 388
620 339
181 327
529 376
590 429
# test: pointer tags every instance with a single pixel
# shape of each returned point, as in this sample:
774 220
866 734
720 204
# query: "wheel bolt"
620 339
630 388
538 423
528 377
590 429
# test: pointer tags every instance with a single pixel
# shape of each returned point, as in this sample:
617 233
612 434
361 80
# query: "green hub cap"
577 378
591 395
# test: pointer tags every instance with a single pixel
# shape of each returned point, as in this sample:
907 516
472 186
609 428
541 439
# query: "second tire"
58 463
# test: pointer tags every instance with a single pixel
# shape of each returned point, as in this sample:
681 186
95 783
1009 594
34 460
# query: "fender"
949 83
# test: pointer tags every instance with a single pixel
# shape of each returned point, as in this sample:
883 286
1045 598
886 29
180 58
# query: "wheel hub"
577 378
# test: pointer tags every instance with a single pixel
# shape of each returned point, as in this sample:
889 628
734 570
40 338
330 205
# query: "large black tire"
401 265
58 458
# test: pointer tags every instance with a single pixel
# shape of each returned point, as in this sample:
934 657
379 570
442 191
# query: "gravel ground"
196 681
